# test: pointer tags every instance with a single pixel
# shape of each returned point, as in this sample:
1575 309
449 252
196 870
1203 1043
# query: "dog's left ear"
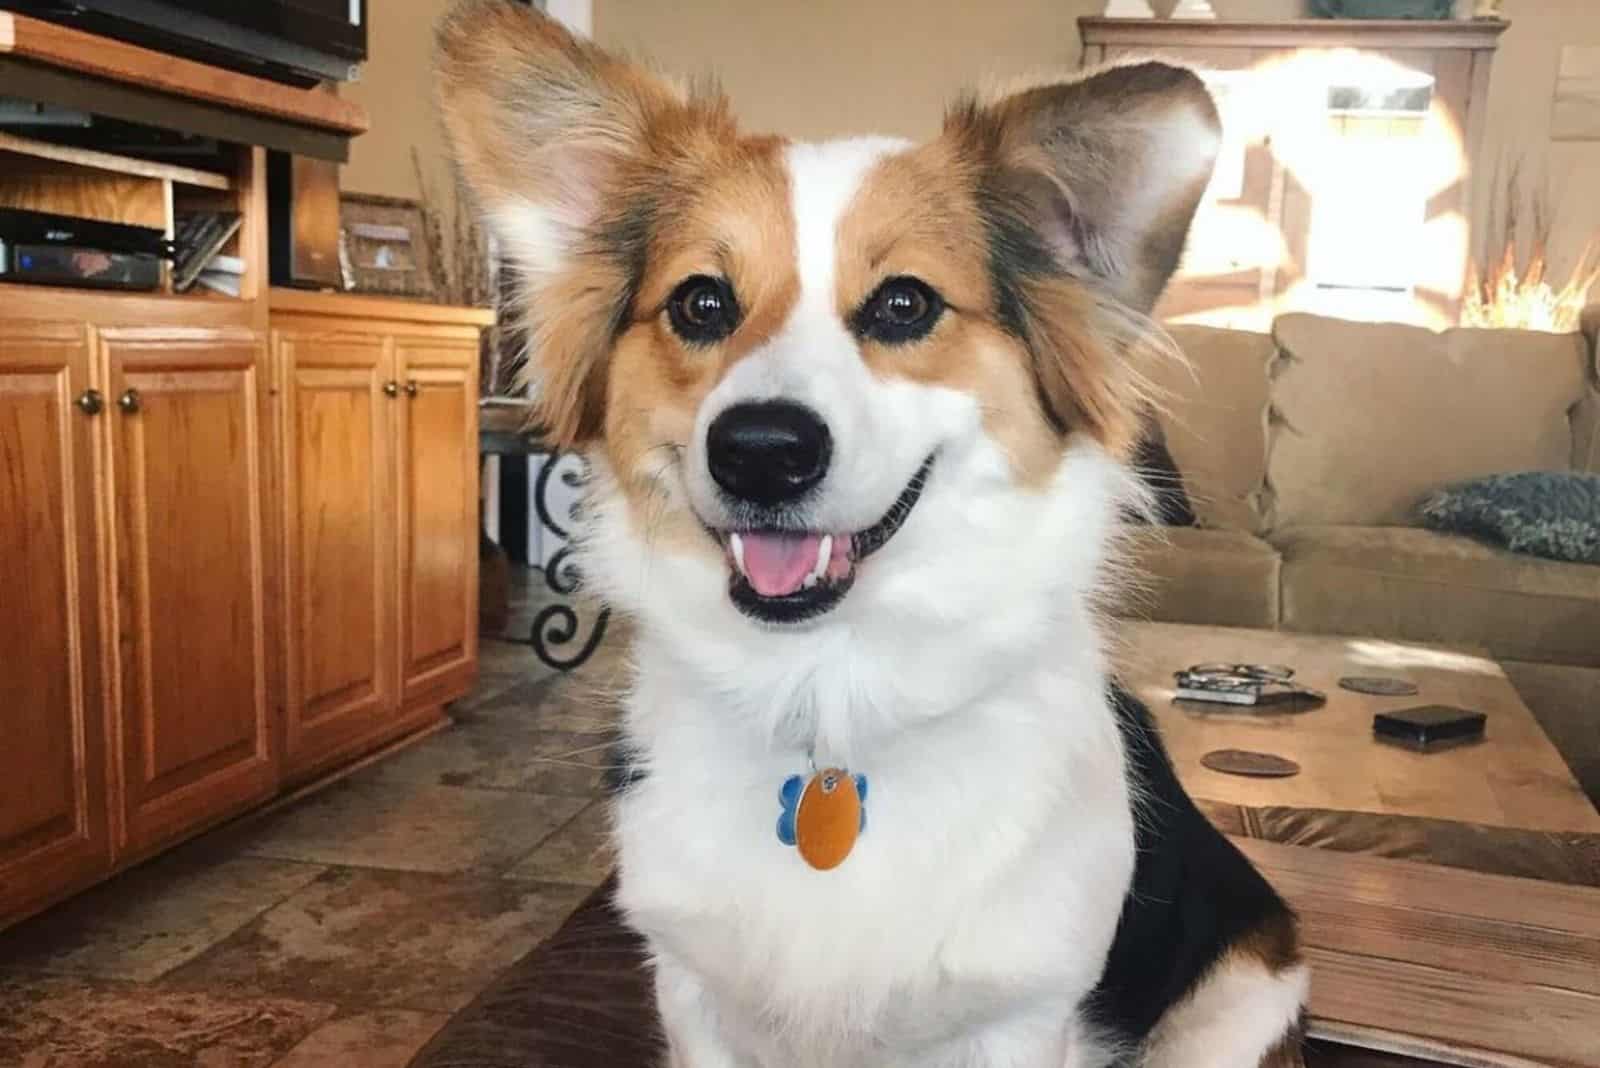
1105 170
557 140
1087 188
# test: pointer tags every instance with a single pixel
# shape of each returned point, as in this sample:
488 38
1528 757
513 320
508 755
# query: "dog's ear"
1087 188
1106 169
554 137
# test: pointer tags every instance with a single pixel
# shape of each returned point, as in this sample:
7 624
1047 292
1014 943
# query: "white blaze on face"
882 429
825 179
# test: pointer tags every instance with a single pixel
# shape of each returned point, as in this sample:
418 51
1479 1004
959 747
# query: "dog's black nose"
769 452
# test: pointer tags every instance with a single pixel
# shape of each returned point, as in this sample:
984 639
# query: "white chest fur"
998 851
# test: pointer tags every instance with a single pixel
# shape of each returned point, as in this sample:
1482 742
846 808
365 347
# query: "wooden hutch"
238 536
1346 182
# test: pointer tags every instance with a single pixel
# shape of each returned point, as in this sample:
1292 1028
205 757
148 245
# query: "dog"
857 416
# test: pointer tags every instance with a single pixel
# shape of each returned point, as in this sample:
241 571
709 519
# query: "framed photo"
384 247
1576 114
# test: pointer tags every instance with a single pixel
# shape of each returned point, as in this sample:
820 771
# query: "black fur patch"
1193 897
625 239
1016 253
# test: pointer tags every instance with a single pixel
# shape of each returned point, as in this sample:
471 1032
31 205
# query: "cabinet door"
337 428
438 470
187 500
53 816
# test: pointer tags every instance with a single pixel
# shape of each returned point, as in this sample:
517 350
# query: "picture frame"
1575 111
383 246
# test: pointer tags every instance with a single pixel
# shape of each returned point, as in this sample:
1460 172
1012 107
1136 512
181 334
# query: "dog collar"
823 816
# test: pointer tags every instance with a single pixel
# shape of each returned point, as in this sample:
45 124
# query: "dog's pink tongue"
776 564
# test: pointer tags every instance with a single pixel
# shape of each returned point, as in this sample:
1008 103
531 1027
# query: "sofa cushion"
1417 585
1191 575
1215 422
1367 418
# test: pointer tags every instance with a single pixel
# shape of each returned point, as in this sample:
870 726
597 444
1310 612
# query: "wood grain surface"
1515 778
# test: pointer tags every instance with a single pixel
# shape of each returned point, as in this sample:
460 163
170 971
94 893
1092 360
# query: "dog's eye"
702 310
902 309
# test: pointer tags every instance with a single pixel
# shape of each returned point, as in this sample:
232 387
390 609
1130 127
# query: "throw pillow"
1554 514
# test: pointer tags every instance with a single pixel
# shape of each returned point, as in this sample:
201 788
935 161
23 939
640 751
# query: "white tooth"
736 543
824 554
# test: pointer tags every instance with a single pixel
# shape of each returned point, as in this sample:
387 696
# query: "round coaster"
1254 765
1378 685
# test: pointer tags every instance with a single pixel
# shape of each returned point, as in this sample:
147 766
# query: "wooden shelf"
63 47
106 161
365 306
1473 34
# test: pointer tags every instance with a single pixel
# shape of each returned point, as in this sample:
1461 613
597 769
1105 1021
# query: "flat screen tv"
297 41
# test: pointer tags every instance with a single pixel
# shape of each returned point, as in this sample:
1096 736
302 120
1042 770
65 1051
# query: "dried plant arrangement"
461 261
1513 286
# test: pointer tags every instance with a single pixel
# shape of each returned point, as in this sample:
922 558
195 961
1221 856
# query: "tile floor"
345 929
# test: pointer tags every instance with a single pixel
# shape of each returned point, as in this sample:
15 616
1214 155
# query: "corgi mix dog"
857 416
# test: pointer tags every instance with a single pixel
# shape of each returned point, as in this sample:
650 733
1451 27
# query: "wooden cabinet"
438 498
379 521
53 816
337 463
228 563
187 505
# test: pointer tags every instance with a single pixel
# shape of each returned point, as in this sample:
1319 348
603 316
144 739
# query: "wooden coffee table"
1515 778
1449 966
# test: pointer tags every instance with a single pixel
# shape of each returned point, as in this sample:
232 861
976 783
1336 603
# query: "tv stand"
238 535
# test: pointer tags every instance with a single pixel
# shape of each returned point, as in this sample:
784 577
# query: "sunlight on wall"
1339 192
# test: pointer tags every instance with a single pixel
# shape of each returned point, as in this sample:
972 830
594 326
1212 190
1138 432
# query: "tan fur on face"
542 121
915 215
732 221
1068 366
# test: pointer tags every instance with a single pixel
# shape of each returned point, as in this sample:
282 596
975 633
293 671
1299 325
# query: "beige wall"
394 88
820 68
829 67
1520 94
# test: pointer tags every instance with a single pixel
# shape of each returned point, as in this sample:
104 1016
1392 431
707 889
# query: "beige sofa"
1305 453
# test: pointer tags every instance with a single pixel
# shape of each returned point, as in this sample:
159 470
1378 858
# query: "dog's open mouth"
786 576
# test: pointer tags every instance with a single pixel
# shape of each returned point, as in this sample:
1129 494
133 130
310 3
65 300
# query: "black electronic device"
19 226
71 265
1429 727
58 250
300 42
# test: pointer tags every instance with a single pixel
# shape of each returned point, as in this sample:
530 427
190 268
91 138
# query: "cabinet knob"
91 402
129 401
391 389
411 389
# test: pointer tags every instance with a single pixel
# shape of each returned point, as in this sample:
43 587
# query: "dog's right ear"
553 137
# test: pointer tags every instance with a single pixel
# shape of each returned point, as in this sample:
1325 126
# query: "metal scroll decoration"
556 629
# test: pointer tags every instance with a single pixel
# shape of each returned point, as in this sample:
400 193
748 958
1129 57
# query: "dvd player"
42 228
71 265
59 250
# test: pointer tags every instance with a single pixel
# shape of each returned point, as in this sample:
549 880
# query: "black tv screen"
298 41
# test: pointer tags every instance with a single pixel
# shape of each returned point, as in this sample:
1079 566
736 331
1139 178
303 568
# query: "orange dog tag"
823 817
